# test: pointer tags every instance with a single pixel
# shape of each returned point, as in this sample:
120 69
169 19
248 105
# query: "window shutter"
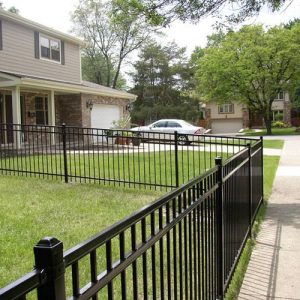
36 44
62 49
1 45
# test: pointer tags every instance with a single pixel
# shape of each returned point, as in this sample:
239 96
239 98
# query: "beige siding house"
233 116
40 80
226 118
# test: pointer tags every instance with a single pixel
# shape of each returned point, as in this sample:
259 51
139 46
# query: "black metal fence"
114 157
185 245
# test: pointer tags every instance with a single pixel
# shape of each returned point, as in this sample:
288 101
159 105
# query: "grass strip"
273 144
270 167
275 131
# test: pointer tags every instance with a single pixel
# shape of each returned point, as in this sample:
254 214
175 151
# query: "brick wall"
68 109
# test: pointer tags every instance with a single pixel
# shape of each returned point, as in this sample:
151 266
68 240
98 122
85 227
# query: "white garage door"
103 115
226 126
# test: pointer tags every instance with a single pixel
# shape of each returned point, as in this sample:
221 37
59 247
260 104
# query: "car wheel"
183 140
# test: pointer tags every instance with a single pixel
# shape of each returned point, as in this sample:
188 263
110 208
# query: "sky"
57 14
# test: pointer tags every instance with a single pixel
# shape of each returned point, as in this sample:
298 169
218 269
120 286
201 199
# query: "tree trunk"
268 123
115 81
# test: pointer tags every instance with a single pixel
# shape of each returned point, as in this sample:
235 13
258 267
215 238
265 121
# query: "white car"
183 128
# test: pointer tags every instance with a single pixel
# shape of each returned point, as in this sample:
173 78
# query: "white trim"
51 108
4 84
16 107
11 80
4 116
226 108
72 88
16 111
41 35
51 114
48 85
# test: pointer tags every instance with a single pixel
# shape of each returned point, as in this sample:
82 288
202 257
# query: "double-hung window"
41 110
50 48
226 108
280 96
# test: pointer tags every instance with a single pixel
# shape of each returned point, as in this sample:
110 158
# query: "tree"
12 9
161 79
112 34
251 66
94 68
165 11
295 90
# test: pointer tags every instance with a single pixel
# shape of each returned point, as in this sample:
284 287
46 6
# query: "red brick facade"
70 109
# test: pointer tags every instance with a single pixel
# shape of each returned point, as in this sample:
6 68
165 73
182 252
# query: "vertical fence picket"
134 263
250 189
64 140
262 166
219 230
176 159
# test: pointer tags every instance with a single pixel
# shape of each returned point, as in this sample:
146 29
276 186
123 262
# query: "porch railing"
113 157
185 245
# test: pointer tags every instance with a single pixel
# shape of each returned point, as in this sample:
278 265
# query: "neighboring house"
232 116
226 118
40 80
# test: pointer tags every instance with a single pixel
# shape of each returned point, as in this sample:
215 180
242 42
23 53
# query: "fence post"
262 167
176 159
48 254
219 231
64 140
250 188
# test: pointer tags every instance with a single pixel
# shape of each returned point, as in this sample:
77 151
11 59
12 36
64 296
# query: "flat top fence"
185 245
112 157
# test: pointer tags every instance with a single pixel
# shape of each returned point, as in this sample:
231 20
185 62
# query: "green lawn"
275 131
72 213
273 144
152 168
33 208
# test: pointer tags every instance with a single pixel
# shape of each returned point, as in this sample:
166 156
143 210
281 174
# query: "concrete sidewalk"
274 268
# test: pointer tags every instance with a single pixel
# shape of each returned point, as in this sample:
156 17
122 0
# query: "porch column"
51 114
16 112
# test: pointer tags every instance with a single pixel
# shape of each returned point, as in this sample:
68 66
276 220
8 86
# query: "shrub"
279 124
279 117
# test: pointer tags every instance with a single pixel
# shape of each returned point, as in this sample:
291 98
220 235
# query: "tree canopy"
161 81
165 11
12 9
94 68
252 66
111 35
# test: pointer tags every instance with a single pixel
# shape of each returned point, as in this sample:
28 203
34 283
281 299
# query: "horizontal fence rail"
113 157
185 245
